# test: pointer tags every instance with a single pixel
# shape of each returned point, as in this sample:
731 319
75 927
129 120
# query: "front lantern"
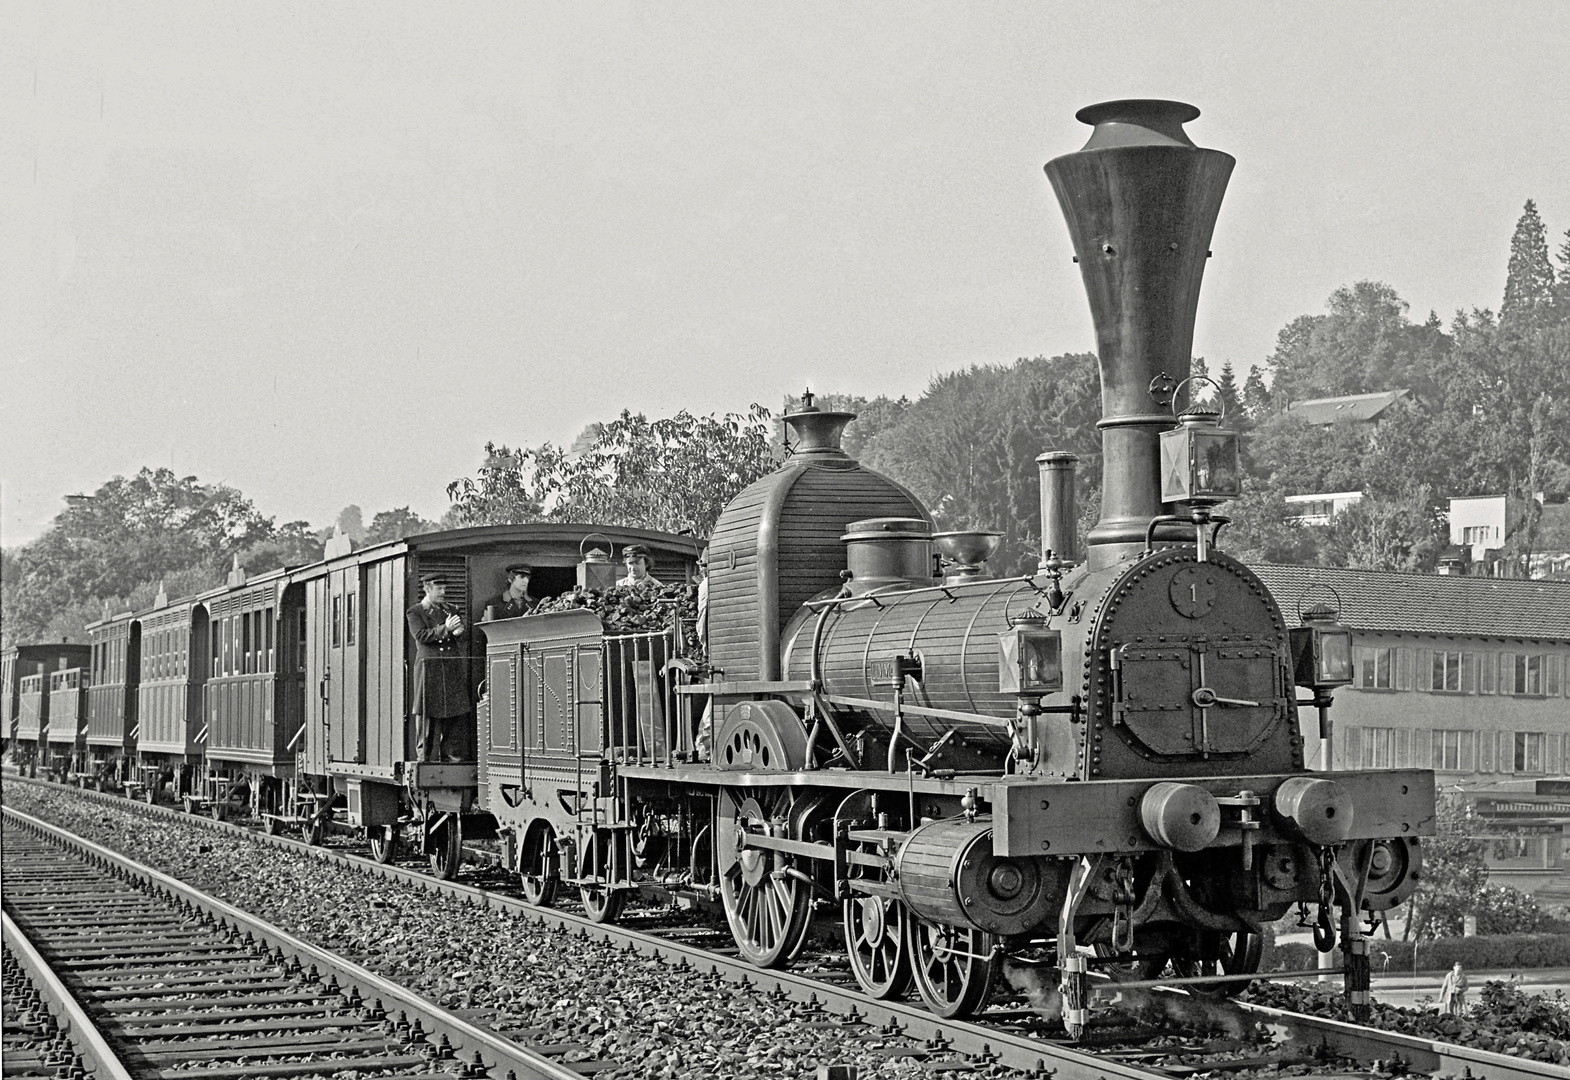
1199 460
1030 659
1321 651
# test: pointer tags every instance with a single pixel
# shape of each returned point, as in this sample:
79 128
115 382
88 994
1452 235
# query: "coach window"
300 641
258 650
213 645
349 620
337 621
245 646
267 628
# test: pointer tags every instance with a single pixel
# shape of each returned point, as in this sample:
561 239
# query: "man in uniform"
638 563
514 600
443 711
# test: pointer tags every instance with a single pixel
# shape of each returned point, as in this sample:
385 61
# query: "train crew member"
514 600
443 712
638 565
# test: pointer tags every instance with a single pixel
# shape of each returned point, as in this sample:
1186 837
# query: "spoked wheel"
954 968
150 795
1236 953
539 875
768 907
216 811
315 828
447 849
601 902
384 843
878 947
271 825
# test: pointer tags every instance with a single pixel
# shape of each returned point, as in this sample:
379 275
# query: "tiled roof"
1357 408
1429 603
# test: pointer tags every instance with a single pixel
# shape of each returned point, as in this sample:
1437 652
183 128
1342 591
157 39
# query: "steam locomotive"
1095 770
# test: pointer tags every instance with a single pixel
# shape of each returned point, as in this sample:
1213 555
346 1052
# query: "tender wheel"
447 849
876 942
271 825
384 843
216 811
768 907
601 903
539 875
953 967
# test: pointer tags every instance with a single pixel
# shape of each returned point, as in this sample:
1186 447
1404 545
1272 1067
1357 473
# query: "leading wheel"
538 873
447 849
954 967
878 947
384 843
768 902
601 902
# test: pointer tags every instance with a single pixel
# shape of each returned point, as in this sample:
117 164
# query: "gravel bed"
546 986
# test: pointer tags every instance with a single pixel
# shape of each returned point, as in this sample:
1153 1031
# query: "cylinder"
1314 809
949 875
1184 817
1059 506
1141 202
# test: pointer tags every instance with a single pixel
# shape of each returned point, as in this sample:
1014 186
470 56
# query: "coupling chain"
1123 897
1324 922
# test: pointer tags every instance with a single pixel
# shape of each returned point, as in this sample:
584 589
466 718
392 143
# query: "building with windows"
1319 509
1465 675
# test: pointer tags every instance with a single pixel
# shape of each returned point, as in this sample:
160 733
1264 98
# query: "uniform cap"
635 551
519 568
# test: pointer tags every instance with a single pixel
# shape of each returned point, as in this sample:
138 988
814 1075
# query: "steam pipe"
1059 507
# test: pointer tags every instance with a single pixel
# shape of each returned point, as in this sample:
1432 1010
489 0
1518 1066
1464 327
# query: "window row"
70 679
109 660
1459 671
242 644
1529 753
165 653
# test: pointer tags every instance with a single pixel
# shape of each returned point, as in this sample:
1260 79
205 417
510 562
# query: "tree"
292 544
1454 872
675 474
351 522
395 525
968 447
1231 397
1386 534
1364 344
1529 282
1256 396
132 532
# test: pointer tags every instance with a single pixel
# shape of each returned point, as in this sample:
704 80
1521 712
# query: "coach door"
345 724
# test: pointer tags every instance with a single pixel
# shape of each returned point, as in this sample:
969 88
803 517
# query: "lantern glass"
1214 457
1335 657
1030 661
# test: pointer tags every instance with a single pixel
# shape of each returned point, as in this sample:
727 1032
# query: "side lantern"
1030 659
1199 460
1321 651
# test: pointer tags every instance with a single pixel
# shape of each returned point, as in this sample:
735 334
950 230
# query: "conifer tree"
1227 390
1529 283
1256 395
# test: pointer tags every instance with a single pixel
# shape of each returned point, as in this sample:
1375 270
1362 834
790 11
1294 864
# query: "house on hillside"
1351 409
1465 675
1480 525
1319 509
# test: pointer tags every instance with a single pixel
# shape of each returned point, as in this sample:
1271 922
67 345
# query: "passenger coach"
112 700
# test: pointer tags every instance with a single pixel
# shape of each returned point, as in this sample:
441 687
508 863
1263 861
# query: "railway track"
1015 1036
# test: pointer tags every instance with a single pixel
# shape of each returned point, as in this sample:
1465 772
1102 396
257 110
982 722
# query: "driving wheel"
768 902
539 875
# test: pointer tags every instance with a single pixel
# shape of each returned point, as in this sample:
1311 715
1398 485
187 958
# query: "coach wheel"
384 843
447 849
878 947
215 810
601 902
150 795
315 828
538 873
768 902
271 825
954 967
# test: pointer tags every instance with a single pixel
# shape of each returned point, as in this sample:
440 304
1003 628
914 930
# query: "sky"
323 253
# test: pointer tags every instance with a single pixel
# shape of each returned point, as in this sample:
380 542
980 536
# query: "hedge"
1501 951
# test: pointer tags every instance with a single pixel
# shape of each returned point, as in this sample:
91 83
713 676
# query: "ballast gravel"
535 984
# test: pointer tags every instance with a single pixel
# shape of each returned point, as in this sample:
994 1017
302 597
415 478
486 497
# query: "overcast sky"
324 252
